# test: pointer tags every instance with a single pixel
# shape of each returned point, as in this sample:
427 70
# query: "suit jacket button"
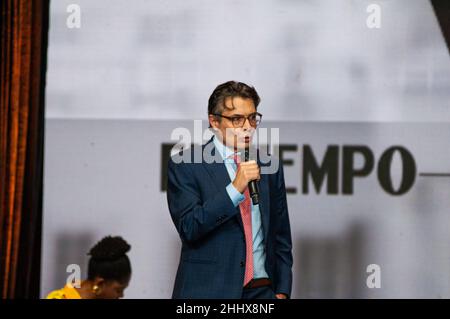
242 264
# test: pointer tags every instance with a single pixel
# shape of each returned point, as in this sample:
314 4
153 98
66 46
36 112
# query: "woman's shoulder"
57 294
67 292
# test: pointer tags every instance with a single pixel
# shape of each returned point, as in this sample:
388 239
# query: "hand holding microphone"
247 175
247 171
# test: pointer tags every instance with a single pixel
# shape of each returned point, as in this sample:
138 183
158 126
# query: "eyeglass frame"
230 118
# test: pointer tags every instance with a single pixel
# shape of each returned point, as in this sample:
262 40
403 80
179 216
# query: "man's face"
240 137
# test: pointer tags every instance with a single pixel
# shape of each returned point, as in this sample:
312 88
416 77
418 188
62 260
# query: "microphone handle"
252 185
254 192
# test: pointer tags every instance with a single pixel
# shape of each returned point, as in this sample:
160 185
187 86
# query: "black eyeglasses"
239 120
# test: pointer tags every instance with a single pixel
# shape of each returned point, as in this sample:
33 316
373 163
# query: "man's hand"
247 171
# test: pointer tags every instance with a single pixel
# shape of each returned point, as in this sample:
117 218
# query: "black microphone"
252 185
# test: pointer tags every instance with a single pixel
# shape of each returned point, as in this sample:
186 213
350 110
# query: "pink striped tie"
246 214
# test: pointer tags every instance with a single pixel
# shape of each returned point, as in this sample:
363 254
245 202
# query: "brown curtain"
24 28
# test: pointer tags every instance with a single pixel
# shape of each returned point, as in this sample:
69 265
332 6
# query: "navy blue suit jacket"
212 261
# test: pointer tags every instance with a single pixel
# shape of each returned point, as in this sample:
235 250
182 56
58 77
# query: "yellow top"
68 292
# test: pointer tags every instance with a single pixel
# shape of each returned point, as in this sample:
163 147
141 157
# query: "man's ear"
213 121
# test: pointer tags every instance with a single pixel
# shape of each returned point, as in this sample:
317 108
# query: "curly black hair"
109 260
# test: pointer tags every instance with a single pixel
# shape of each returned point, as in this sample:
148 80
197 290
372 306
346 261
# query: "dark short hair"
216 103
109 260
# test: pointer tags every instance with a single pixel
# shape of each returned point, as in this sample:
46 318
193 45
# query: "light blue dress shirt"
259 254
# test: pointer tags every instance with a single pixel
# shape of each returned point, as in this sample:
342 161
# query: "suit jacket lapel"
219 174
264 204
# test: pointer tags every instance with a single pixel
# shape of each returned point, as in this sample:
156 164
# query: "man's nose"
247 124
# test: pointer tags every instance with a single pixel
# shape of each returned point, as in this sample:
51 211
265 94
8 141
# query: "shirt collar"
223 150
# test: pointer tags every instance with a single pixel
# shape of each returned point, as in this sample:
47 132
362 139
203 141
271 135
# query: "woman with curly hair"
109 273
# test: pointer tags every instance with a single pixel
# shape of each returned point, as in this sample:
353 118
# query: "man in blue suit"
231 248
